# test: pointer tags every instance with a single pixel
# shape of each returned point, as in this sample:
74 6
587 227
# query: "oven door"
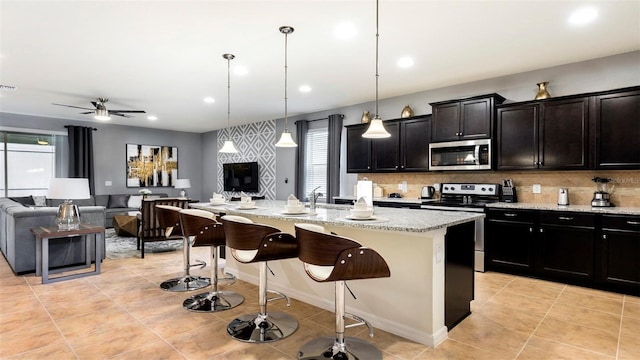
460 155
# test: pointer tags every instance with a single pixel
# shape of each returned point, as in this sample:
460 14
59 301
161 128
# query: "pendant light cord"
286 121
377 75
229 96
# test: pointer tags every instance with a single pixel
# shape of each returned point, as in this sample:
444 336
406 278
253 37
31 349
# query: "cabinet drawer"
628 223
567 219
511 215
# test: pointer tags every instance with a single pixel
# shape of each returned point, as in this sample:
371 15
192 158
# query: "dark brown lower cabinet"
619 252
595 250
458 273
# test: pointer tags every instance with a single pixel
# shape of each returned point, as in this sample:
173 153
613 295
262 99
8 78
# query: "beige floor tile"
534 288
78 327
9 304
630 327
58 351
632 310
509 318
588 299
595 340
255 352
584 316
157 350
25 339
307 331
589 291
528 304
393 344
629 348
121 340
205 342
23 319
543 349
175 323
454 350
482 333
90 305
160 304
632 299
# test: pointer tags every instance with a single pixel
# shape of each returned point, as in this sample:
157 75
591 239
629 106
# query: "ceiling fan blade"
116 114
95 104
128 111
88 112
71 106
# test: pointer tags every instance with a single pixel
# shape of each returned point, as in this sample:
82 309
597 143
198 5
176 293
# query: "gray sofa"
18 244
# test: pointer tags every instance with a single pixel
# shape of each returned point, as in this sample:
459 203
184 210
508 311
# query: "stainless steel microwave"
460 155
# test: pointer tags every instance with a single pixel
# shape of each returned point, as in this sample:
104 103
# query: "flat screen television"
241 176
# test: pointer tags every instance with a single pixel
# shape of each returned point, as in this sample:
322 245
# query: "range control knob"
491 189
483 189
453 188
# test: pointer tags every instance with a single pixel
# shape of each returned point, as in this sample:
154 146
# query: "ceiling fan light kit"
286 140
228 146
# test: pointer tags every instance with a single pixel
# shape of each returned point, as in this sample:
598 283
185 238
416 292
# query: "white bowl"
294 209
246 204
361 214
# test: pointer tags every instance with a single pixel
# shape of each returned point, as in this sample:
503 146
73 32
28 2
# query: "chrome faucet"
313 197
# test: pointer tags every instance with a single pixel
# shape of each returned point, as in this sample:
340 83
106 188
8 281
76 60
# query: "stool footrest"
360 322
198 263
280 296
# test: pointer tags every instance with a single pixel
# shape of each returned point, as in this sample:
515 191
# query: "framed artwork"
151 166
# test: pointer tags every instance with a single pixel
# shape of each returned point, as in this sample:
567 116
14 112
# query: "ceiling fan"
101 112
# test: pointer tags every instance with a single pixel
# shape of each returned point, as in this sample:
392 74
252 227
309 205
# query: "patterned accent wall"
255 142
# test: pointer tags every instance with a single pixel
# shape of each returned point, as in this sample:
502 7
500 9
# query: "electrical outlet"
108 183
537 189
436 186
404 187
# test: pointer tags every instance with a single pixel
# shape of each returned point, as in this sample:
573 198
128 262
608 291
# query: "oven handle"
476 154
452 208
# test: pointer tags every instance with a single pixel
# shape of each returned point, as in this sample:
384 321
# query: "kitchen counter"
415 201
574 208
410 304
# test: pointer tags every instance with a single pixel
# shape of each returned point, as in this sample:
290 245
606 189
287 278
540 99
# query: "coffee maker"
602 194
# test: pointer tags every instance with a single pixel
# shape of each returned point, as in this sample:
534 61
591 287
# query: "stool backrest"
320 248
203 226
245 236
169 218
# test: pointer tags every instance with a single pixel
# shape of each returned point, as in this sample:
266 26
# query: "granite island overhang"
410 303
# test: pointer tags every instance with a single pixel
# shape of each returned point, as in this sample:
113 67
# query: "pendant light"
376 129
285 139
228 146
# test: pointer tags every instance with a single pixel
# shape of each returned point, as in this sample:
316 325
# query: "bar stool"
206 231
328 257
169 219
250 242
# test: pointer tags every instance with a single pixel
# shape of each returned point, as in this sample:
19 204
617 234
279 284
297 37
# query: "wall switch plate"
436 186
537 189
108 183
404 187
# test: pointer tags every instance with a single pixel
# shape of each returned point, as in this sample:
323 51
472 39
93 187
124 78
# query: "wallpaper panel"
255 142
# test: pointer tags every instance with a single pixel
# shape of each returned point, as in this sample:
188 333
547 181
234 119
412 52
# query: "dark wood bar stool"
328 257
249 243
202 226
169 219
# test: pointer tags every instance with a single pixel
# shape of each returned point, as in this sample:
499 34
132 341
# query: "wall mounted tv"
241 176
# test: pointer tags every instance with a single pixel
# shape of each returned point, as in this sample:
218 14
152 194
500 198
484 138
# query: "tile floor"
123 314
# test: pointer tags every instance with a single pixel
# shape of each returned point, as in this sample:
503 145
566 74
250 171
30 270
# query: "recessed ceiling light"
405 62
305 88
345 31
240 70
209 100
583 16
152 118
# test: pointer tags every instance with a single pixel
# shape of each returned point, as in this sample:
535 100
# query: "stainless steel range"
470 198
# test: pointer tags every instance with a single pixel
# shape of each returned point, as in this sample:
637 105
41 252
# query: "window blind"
316 160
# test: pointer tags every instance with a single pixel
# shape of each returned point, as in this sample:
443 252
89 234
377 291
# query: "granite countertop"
392 219
574 208
385 199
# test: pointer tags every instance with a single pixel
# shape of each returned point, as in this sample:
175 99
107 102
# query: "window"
27 163
316 161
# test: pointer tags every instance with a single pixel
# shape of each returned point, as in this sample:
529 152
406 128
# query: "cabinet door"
386 152
510 241
566 246
358 150
563 134
414 146
445 124
619 252
617 130
517 138
475 119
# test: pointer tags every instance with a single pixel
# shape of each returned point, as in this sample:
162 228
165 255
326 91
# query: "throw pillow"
135 201
118 201
24 200
40 200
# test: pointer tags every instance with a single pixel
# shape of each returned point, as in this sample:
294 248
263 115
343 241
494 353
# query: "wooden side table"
44 234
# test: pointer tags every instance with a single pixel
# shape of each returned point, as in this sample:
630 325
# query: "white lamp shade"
183 184
286 140
376 130
228 147
68 188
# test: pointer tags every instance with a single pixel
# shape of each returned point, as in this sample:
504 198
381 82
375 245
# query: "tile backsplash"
626 192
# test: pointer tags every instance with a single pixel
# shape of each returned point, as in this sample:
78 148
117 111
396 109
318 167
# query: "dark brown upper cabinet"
548 135
406 150
615 120
464 119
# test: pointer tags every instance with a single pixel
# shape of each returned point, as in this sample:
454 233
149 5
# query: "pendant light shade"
228 146
376 128
285 139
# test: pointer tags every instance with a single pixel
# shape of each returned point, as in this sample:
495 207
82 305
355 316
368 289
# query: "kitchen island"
411 303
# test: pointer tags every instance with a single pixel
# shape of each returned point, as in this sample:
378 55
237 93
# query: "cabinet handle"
510 214
541 230
368 167
565 218
604 236
530 230
633 222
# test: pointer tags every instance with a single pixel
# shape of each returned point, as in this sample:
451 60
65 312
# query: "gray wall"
109 150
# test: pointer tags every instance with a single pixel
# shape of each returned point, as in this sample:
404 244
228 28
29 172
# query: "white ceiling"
166 56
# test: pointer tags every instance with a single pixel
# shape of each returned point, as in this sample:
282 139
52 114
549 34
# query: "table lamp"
183 184
69 189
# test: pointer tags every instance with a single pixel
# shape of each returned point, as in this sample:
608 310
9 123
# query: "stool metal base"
258 328
326 348
213 301
187 283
